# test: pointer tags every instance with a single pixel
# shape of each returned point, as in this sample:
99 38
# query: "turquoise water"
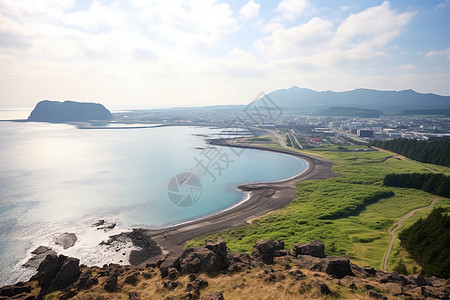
55 178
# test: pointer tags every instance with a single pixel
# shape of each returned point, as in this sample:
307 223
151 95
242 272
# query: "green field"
350 214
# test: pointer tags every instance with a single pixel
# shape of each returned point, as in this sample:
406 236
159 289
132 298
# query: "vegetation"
426 112
437 184
262 139
350 112
350 214
428 242
435 151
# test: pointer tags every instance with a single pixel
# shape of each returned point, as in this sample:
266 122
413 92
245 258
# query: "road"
295 139
280 139
399 225
349 135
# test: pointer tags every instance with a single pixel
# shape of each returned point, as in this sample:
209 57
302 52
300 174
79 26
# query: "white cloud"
168 52
295 40
96 17
443 53
291 9
443 5
250 10
379 23
359 37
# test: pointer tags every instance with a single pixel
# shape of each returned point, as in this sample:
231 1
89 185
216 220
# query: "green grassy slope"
350 214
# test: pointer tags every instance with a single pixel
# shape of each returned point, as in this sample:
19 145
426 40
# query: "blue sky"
141 54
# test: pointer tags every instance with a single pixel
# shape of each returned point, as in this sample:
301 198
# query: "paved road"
399 225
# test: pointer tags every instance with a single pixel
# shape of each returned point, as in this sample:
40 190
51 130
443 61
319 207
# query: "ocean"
55 178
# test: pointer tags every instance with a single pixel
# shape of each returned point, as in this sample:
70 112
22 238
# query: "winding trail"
399 225
396 155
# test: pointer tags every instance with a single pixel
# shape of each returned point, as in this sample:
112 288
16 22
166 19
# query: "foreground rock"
266 250
210 258
314 248
212 272
39 255
57 273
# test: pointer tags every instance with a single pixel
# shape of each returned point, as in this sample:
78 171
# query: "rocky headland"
213 272
69 111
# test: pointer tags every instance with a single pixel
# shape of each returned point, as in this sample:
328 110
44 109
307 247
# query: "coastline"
259 199
246 197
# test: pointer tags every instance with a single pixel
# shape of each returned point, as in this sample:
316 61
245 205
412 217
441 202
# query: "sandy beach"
263 198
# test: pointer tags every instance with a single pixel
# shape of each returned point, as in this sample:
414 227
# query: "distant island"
69 111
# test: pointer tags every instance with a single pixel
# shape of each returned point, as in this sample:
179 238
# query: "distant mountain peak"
304 99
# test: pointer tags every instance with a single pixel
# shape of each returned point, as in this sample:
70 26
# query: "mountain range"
307 100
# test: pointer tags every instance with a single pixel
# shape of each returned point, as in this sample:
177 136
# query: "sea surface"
55 178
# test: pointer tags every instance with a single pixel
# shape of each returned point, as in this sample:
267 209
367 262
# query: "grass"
248 284
350 214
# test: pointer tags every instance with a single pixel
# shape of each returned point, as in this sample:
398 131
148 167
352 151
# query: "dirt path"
399 225
405 159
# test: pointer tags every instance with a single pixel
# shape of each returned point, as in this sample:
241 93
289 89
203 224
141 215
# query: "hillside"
308 100
339 111
345 213
69 111
211 272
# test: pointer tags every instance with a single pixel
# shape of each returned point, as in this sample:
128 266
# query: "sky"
151 54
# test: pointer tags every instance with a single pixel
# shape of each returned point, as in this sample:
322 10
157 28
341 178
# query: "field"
350 214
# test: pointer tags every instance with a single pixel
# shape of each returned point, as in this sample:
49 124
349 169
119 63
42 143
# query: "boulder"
132 279
220 248
68 273
170 285
211 258
297 274
57 272
172 273
87 280
352 282
196 285
376 295
111 282
16 289
133 296
167 264
417 279
314 248
266 250
370 270
395 278
435 292
213 296
323 287
199 259
39 254
47 270
241 261
338 267
394 289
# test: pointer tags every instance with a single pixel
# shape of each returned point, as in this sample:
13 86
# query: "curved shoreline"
264 198
246 197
